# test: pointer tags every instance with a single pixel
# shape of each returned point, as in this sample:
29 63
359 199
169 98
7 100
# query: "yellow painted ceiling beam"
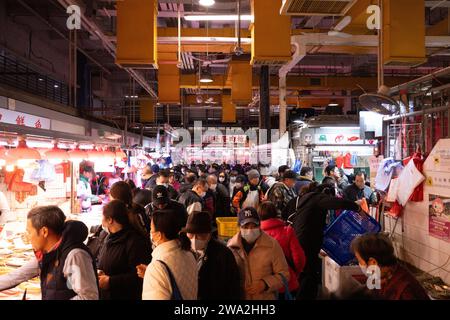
359 17
439 29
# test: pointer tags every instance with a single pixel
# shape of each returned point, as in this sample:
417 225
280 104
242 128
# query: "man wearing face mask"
260 258
163 180
250 195
161 201
218 273
193 199
221 196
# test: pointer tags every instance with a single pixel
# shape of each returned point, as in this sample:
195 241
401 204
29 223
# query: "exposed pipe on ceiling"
431 76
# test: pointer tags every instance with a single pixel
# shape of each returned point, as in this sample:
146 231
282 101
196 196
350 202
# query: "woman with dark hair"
136 213
172 274
132 185
223 179
123 250
285 235
375 252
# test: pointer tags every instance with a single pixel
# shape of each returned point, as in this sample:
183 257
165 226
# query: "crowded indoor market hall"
225 150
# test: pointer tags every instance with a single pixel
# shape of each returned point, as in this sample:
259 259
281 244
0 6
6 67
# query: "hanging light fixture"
206 3
206 76
22 154
56 155
77 155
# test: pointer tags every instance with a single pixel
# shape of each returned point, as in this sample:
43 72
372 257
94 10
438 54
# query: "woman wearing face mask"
223 179
219 277
259 257
123 250
375 253
172 274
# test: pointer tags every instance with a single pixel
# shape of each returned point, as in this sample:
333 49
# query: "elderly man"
358 190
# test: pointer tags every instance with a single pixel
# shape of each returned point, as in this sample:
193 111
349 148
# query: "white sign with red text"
24 119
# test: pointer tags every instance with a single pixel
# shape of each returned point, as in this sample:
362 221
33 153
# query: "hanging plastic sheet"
409 179
384 174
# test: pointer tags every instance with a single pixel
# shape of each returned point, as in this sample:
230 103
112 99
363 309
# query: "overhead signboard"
24 119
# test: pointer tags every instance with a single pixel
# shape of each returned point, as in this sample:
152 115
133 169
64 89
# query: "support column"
264 104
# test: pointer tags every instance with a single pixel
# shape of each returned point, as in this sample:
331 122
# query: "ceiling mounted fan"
380 102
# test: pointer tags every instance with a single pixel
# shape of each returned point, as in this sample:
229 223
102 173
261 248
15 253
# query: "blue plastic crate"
340 234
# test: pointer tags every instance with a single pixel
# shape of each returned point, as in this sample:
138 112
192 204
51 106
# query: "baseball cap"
248 215
160 195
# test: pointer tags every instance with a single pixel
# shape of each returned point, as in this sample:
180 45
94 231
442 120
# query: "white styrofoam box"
444 246
333 274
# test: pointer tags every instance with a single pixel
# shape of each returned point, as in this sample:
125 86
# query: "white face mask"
198 245
250 235
202 195
163 184
221 179
238 185
233 179
213 187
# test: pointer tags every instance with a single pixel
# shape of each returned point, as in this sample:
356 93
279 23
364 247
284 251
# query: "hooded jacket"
264 262
54 284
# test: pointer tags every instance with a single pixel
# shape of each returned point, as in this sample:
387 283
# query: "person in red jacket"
285 235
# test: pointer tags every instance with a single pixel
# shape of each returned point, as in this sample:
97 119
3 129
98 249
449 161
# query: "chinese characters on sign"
23 119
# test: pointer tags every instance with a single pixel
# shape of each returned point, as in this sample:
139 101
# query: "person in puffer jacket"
285 235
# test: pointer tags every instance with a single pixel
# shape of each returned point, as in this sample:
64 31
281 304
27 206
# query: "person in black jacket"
161 201
124 249
218 277
309 223
221 197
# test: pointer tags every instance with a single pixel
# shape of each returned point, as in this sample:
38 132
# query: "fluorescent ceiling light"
228 17
333 104
206 3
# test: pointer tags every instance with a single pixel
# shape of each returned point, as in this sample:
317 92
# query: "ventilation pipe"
299 54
